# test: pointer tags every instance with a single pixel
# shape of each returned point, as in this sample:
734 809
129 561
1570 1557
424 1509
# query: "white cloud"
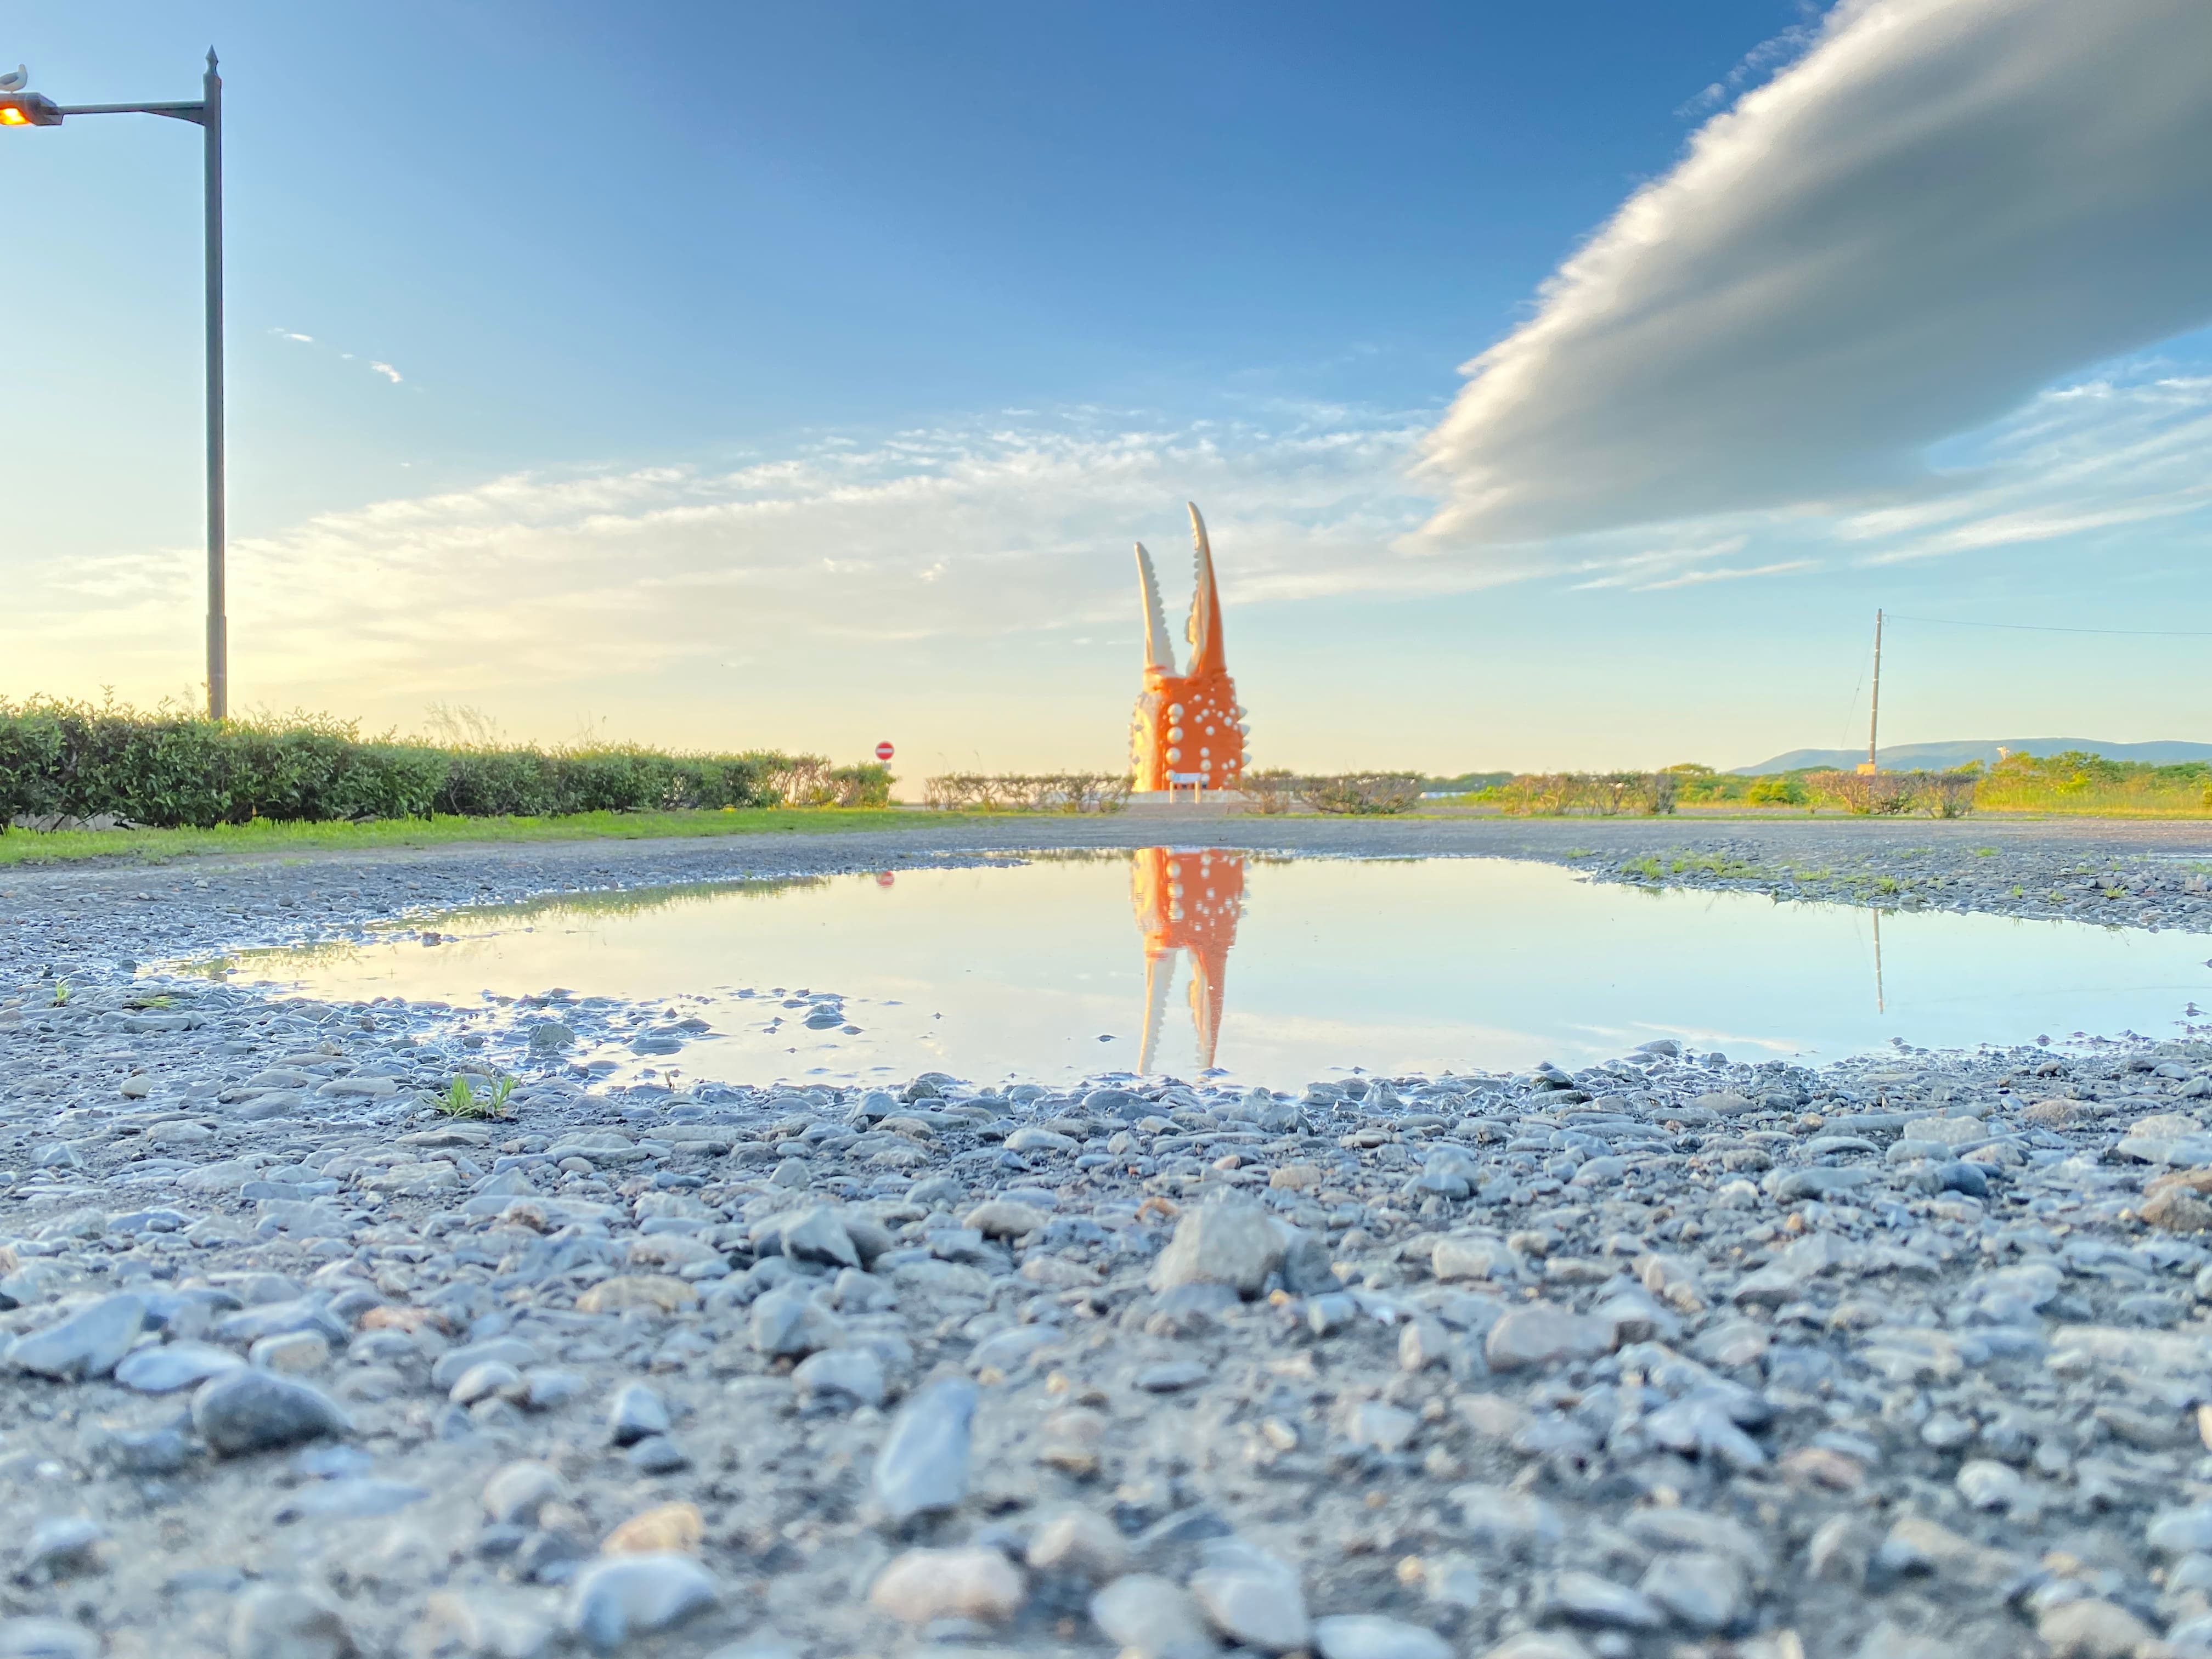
532 580
1943 206
387 371
1694 578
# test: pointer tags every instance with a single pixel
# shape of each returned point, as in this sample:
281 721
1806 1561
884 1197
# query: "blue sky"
801 375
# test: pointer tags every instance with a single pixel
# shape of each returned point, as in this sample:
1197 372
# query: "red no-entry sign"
883 751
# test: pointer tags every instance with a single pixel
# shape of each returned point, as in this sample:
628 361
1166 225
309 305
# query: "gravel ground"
1905 1355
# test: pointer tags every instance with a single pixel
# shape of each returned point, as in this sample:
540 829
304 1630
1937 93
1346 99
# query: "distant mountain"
1939 757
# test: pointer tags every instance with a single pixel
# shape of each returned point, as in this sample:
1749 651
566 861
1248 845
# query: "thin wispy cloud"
376 366
1757 65
1696 578
1941 207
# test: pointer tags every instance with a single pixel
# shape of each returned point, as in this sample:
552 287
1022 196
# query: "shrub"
1778 789
1361 795
2075 782
1604 794
1273 792
1939 794
1051 792
173 768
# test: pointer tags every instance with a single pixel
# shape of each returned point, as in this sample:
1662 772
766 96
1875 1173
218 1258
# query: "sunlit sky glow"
1563 386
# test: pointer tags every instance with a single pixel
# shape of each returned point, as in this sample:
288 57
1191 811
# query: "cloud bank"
1943 207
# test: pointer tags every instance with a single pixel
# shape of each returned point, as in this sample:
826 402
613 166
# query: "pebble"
923 1465
1366 1636
671 1528
277 1621
1254 1601
88 1343
624 1596
922 1585
635 1412
250 1411
1588 1599
517 1490
1153 1617
1701 1588
38 1638
2092 1629
1543 1334
1229 1244
1080 1541
841 1377
167 1368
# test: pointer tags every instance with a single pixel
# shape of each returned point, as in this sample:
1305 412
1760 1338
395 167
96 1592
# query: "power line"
2040 627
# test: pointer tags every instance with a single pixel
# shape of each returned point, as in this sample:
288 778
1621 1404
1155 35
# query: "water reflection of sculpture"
1186 899
1188 730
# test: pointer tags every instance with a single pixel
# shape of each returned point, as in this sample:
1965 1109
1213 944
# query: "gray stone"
1233 1244
658 1454
923 1465
624 1596
1986 1484
279 1621
516 1491
46 1638
175 1365
819 1235
841 1377
634 1413
63 1542
546 1388
491 1378
1386 1428
354 1499
250 1411
1255 1604
1510 1522
1000 1218
1475 1256
1540 1334
1365 1636
1149 1617
788 1322
1705 1590
1172 1376
507 1349
88 1343
1586 1599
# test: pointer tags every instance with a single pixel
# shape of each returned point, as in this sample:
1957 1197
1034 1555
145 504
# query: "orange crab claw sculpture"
1188 731
1186 899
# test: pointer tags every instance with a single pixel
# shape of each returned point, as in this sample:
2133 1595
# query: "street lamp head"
28 109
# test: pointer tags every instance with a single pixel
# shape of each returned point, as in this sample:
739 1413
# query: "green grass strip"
25 847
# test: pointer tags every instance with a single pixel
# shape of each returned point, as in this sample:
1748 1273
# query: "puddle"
1276 971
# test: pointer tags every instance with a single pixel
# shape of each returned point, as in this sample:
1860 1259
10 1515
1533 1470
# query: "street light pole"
29 109
218 625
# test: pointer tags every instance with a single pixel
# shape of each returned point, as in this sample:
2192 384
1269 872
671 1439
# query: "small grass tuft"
462 1099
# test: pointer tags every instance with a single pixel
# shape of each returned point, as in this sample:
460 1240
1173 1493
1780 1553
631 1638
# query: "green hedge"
171 769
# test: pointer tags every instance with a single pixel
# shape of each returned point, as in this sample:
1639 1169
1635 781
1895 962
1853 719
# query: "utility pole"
1874 715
